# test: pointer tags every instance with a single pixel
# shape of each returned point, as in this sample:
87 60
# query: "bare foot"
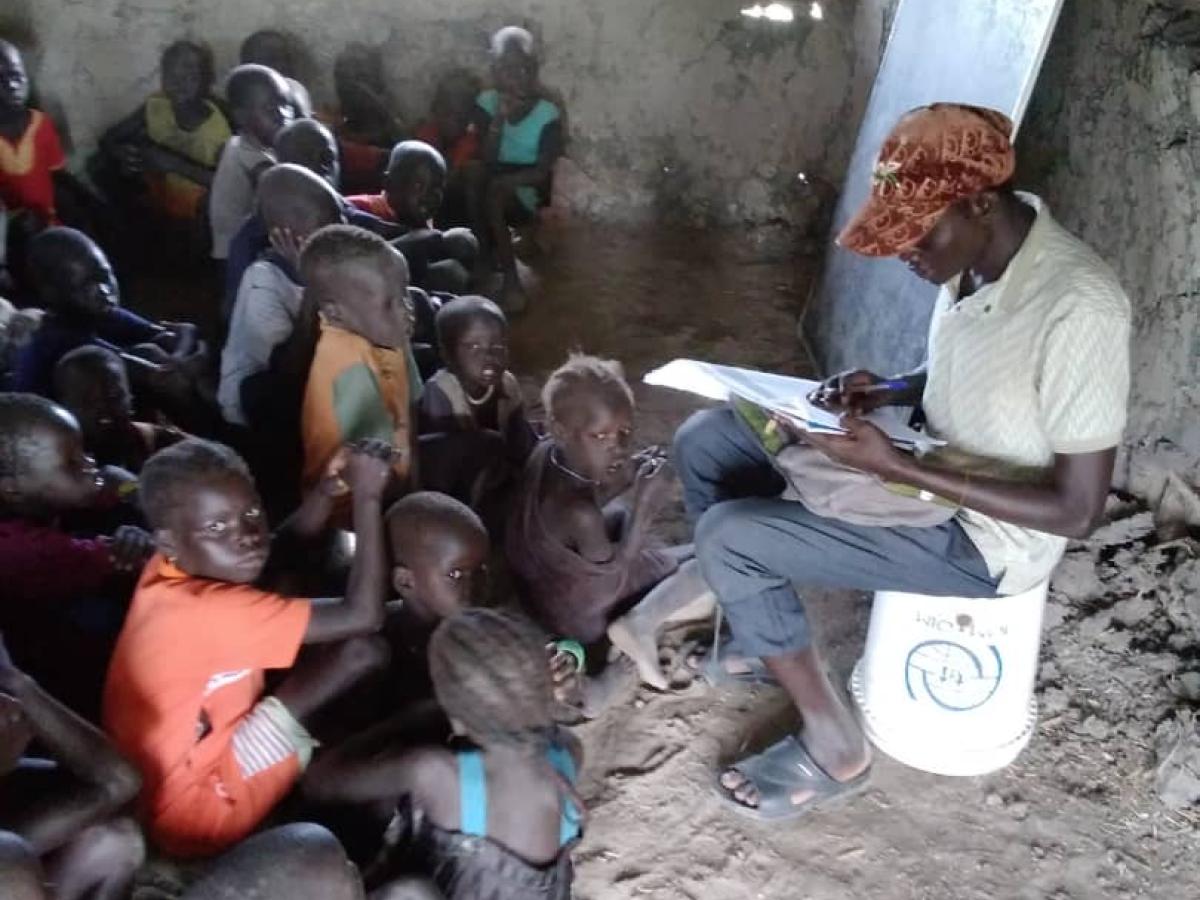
641 647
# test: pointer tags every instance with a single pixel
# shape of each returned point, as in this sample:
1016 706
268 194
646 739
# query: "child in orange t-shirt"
185 697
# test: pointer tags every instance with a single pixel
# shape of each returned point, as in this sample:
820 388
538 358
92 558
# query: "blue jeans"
753 547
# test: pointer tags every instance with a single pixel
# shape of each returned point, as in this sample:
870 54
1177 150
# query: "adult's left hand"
863 447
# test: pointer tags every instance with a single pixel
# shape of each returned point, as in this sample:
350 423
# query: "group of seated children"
342 668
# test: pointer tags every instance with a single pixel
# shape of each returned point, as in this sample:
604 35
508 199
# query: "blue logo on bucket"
951 675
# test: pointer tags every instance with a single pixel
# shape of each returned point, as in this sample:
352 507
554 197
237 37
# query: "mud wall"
679 108
1113 142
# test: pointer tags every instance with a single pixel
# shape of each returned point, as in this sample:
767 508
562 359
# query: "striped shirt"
1032 365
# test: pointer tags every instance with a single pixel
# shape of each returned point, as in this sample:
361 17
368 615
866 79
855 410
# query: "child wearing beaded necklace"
586 562
475 437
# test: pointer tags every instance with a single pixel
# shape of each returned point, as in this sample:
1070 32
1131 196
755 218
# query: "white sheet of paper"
779 393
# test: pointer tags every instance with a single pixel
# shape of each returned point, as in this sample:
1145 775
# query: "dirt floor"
1079 815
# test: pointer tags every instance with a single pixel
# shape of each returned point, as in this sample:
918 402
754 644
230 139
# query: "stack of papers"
782 395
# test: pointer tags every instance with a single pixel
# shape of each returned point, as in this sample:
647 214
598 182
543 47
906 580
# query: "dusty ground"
1078 816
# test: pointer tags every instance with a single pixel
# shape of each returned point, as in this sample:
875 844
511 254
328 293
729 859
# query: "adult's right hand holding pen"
858 392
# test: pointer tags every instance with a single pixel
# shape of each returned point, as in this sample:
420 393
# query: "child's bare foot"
641 646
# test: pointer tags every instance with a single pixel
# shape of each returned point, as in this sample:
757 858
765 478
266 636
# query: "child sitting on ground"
439 550
522 137
498 815
475 437
273 333
451 130
185 697
173 141
363 382
66 808
293 204
91 383
309 144
32 162
366 126
413 187
76 285
260 104
587 567
71 590
277 51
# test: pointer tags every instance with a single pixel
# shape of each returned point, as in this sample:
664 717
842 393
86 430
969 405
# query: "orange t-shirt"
356 391
27 167
187 669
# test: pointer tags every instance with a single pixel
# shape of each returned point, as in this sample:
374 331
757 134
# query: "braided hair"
491 675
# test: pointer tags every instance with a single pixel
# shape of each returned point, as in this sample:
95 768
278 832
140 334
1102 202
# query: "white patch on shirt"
224 679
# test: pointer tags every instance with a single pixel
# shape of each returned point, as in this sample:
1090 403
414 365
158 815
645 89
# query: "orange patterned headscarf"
935 156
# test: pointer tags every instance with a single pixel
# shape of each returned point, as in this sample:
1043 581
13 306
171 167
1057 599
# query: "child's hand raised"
287 244
652 484
130 548
367 467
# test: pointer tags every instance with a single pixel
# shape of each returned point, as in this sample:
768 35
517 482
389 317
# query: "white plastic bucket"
945 684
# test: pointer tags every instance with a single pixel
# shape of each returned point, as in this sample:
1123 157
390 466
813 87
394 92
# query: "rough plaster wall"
678 107
1113 142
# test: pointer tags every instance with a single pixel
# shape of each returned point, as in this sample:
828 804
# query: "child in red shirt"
185 698
413 188
30 148
31 154
59 589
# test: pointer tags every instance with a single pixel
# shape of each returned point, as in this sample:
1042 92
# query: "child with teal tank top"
523 131
496 817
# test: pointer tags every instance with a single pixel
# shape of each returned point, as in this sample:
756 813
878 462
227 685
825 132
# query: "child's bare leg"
299 862
682 597
360 770
499 198
98 863
323 672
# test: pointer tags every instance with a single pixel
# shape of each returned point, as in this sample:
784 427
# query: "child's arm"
381 764
125 141
106 782
46 564
157 158
587 531
367 468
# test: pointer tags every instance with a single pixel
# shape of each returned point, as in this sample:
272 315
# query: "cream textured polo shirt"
1034 364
